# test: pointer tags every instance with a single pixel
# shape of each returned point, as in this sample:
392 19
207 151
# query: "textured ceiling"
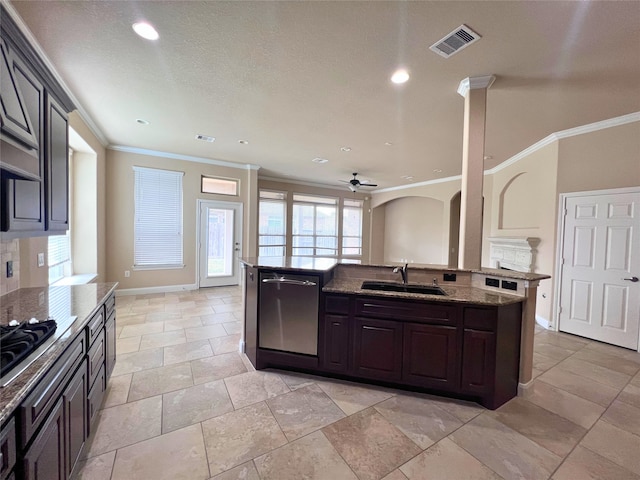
300 80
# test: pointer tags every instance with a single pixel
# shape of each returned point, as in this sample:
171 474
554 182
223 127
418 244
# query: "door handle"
632 279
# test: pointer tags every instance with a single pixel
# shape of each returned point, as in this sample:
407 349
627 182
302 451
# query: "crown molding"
472 83
311 184
571 132
187 158
419 184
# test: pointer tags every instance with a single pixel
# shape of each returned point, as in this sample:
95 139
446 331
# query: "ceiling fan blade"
368 184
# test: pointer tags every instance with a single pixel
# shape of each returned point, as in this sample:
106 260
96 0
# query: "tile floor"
183 404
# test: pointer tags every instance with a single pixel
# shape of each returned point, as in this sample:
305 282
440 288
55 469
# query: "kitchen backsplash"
9 252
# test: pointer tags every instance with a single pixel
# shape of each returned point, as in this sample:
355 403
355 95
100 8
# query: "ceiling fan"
355 184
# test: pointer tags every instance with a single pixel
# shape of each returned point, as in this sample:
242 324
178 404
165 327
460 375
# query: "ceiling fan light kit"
355 184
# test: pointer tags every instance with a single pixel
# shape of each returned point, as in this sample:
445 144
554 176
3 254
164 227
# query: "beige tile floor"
184 404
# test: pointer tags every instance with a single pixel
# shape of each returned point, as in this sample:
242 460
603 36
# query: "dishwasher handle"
289 281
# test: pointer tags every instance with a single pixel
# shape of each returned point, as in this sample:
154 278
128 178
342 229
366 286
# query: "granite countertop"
61 303
326 264
455 293
303 264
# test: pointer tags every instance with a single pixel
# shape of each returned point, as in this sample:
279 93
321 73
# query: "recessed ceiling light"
141 121
345 149
407 177
146 30
437 170
243 142
319 160
205 138
400 76
388 144
488 157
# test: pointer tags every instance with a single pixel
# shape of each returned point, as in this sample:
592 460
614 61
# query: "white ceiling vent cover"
460 38
205 138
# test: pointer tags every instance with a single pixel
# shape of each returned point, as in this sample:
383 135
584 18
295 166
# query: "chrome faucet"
403 272
435 281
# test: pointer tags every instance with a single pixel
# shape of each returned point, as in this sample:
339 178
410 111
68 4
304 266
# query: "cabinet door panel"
478 361
377 349
110 341
14 116
430 356
335 352
45 458
57 161
75 416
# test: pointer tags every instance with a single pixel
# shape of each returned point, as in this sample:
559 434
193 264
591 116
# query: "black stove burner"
18 342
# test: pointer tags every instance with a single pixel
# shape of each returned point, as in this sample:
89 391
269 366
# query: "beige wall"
441 192
523 204
76 122
521 200
120 214
608 158
341 193
414 231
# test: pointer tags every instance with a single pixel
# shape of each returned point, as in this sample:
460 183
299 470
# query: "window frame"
224 179
283 201
330 202
144 241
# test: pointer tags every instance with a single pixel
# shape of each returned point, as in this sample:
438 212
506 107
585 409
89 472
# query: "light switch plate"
41 259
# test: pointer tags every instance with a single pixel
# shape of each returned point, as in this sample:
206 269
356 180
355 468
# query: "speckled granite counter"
81 301
302 264
455 293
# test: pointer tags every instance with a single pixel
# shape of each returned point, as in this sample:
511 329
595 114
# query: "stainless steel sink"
401 287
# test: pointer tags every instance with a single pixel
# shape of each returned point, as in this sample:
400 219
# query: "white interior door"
600 291
219 246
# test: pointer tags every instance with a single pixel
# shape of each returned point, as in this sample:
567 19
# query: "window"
272 224
158 218
352 228
221 186
315 226
59 261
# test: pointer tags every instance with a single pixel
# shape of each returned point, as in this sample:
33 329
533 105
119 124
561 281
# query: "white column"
474 91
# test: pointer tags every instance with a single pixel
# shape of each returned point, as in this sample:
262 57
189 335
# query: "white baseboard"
523 387
543 322
241 346
162 289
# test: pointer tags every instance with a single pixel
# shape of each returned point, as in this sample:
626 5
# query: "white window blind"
272 224
59 257
158 218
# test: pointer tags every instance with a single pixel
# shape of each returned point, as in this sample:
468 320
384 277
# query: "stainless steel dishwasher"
288 312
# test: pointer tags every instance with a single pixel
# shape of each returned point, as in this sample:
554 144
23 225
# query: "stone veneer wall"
9 251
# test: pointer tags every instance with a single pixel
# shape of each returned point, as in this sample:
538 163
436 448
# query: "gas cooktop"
22 343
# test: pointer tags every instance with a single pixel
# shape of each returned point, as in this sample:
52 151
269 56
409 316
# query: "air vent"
460 38
205 138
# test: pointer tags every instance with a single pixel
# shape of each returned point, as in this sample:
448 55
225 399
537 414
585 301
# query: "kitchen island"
474 342
46 411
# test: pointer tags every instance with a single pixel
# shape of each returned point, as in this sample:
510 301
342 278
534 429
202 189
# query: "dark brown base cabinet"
465 351
46 436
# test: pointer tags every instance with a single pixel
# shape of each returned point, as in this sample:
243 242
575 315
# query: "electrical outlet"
127 273
41 259
9 269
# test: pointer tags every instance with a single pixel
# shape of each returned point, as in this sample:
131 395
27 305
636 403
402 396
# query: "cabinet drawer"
7 448
94 327
480 318
96 357
403 310
34 409
336 304
96 394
